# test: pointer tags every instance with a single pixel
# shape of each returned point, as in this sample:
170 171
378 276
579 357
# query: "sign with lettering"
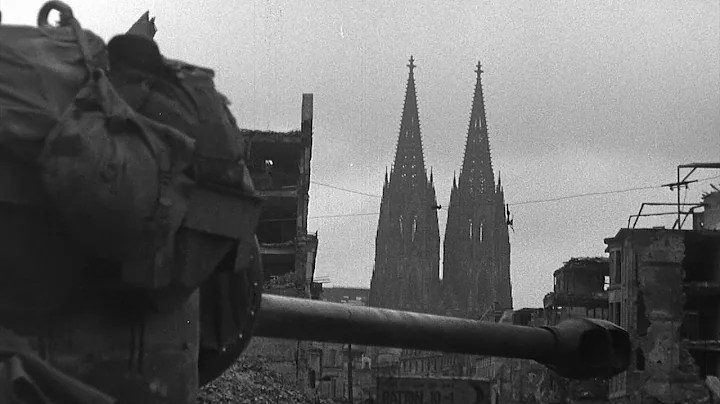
421 390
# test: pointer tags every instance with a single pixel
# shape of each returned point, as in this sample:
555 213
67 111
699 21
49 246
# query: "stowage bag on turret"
183 96
115 177
223 207
43 68
42 71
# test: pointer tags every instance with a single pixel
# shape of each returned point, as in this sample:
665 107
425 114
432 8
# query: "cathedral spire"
409 160
476 177
407 246
477 117
476 265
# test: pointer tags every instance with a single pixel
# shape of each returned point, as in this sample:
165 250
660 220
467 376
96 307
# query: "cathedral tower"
407 246
476 265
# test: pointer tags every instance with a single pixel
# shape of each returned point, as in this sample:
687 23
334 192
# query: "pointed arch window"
414 228
480 233
471 228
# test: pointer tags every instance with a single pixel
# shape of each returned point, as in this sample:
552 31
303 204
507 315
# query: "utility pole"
350 374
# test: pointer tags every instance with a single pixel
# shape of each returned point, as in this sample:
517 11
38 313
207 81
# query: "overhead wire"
529 202
346 189
561 198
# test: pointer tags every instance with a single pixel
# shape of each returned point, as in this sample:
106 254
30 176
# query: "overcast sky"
581 96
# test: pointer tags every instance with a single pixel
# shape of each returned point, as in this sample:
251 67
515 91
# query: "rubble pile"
250 381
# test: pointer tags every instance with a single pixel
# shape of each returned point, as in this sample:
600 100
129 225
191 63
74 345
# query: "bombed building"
665 291
663 286
279 164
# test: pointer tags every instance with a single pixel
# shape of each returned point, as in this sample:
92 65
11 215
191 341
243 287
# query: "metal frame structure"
685 182
640 213
681 182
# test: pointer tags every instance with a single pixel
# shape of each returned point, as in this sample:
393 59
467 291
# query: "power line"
531 202
346 189
345 215
561 198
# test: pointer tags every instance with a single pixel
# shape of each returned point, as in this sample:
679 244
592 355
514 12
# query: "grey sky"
581 96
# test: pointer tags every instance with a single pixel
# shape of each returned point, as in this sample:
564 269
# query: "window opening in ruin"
480 233
470 228
606 282
617 311
269 164
639 359
707 362
617 266
311 378
636 267
414 228
400 220
699 324
642 321
701 261
276 230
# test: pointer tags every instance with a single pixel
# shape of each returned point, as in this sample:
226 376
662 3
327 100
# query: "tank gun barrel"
576 348
312 320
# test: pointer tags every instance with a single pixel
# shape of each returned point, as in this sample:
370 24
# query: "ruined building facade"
407 250
477 248
664 289
279 164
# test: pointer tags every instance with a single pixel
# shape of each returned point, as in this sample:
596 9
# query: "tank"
120 347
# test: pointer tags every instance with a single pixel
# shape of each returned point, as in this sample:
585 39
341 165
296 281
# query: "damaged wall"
652 309
670 372
279 163
711 213
525 381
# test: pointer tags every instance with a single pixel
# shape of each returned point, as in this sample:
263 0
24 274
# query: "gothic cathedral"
476 256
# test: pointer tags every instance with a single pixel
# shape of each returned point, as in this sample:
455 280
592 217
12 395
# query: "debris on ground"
251 381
